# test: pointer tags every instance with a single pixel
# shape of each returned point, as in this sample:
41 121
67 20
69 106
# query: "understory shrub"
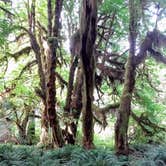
142 155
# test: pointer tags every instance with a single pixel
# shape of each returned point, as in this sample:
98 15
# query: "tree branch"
152 38
157 55
16 55
27 66
61 80
6 11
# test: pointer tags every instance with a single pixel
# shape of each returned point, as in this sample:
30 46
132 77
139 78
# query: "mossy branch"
21 52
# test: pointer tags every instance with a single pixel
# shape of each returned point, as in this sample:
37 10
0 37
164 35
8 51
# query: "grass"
143 155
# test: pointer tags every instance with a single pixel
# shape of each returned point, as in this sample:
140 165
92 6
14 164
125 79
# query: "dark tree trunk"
88 37
75 108
70 84
53 33
76 104
70 137
121 127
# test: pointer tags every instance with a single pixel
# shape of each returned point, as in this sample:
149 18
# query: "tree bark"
121 140
39 53
69 109
76 104
51 67
22 128
70 84
88 37
31 128
121 127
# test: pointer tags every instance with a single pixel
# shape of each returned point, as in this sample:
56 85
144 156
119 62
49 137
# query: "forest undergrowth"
141 155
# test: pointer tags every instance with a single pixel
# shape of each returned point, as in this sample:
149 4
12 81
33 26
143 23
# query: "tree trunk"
44 137
76 104
31 128
121 139
53 33
121 127
88 37
22 128
39 55
70 84
70 135
22 135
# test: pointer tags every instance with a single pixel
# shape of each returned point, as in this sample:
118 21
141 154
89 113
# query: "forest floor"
143 155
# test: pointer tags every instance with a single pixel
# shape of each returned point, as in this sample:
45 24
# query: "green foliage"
149 104
76 156
4 31
6 25
103 142
108 5
152 155
95 158
21 155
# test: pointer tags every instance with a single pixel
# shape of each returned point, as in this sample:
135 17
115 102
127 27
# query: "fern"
145 163
144 155
95 158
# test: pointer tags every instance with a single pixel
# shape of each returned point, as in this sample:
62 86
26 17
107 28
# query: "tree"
53 35
121 128
39 55
88 37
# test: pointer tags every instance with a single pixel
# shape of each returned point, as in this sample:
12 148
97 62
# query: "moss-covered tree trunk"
31 128
76 104
71 106
53 34
39 55
121 127
70 84
88 37
22 128
121 138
